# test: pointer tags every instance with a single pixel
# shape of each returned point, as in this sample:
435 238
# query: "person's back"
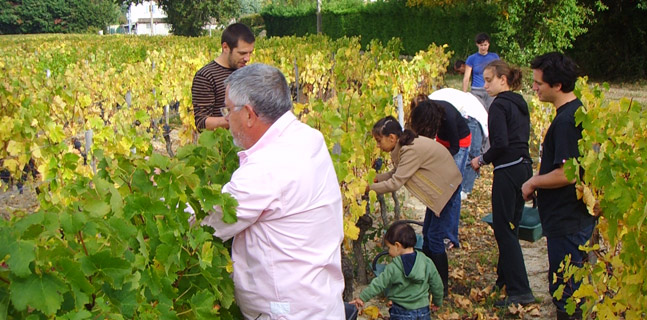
287 236
280 249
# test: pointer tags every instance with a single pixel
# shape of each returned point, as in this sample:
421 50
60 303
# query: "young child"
509 125
408 279
429 172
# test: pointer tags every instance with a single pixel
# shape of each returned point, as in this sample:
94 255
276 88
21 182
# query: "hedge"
417 27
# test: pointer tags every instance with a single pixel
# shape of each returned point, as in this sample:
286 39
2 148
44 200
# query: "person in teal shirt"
408 279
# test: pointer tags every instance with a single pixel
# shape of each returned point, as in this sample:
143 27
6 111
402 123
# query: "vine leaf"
42 292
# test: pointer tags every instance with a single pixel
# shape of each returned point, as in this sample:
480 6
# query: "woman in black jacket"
509 126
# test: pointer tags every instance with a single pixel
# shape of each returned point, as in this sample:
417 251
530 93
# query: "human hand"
389 304
357 302
434 308
528 190
475 164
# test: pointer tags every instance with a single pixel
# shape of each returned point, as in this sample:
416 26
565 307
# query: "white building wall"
142 11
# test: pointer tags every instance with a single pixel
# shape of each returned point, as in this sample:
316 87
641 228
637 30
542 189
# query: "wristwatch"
481 162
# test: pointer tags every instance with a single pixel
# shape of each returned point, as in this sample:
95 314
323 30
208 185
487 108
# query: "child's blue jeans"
397 312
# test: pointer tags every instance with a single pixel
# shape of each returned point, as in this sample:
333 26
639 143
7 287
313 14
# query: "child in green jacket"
408 279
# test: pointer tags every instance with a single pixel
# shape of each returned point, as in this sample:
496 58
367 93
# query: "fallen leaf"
373 312
457 273
535 312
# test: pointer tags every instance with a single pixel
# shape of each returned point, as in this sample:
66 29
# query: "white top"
466 103
286 249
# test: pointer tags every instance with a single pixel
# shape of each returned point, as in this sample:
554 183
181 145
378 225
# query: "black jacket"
453 127
509 126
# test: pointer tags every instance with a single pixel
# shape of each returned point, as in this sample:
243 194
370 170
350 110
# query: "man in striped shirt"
208 91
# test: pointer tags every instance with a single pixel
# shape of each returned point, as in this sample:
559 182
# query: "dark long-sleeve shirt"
509 125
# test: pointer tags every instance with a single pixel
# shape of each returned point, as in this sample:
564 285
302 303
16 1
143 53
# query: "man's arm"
211 123
552 180
466 77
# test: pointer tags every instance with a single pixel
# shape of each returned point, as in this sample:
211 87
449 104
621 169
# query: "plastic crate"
529 226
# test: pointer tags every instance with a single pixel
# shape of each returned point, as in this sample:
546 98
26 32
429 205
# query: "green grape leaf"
77 315
203 304
41 292
79 283
113 268
141 181
229 208
22 253
125 299
96 207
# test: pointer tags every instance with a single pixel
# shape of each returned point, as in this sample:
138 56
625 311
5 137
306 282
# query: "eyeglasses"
225 111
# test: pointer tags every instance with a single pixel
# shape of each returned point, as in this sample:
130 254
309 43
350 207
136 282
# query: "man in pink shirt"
286 247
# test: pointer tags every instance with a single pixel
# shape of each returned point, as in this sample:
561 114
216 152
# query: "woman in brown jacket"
429 172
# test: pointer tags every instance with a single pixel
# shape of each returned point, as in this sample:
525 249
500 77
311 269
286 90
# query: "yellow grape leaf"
584 192
85 100
15 148
35 151
372 312
207 254
58 101
230 266
10 164
351 231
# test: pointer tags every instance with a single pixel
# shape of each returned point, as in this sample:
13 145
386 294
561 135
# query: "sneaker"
524 299
464 195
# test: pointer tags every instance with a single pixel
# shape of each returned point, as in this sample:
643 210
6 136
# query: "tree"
528 28
49 16
188 17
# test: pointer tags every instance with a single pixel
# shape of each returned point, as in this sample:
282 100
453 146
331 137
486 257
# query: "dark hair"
482 37
458 63
426 118
512 74
557 68
402 232
417 100
235 32
389 125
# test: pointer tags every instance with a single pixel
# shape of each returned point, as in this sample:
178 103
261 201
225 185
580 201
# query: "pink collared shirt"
286 248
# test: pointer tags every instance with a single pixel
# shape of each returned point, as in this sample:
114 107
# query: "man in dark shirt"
208 91
565 219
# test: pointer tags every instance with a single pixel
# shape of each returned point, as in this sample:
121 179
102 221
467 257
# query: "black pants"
507 207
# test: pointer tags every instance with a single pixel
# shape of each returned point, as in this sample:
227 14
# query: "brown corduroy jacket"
426 169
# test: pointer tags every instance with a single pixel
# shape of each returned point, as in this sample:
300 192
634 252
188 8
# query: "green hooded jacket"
412 291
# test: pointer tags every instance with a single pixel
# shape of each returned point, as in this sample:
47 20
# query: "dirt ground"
473 266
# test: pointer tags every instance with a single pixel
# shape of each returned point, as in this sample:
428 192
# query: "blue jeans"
558 249
469 174
397 312
435 228
455 202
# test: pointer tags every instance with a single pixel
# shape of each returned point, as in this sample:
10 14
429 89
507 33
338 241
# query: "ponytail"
512 74
389 125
